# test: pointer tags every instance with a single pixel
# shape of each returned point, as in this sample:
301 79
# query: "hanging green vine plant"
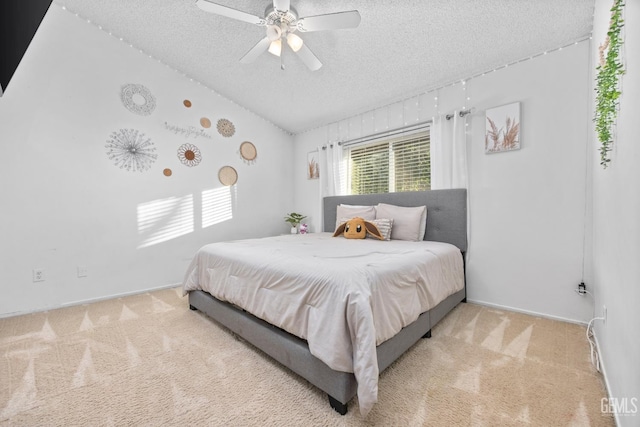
607 85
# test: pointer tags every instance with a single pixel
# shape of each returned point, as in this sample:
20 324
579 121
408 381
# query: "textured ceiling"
401 47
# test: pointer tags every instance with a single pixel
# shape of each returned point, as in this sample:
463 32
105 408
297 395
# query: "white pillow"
409 223
352 211
384 226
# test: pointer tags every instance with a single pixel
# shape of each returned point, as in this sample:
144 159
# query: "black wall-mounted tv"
19 21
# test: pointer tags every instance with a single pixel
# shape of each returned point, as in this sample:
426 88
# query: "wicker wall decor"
226 128
227 175
248 152
138 99
205 123
189 155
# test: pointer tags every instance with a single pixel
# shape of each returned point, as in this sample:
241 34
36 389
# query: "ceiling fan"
282 22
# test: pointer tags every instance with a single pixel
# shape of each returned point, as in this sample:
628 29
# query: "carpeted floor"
148 360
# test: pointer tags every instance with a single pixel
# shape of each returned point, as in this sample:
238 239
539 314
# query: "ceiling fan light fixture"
274 32
294 42
275 48
281 20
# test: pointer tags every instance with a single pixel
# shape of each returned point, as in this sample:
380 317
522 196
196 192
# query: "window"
393 165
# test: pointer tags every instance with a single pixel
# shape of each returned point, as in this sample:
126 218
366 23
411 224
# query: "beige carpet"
149 360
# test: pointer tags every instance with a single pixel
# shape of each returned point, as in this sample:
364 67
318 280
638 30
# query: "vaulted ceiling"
400 48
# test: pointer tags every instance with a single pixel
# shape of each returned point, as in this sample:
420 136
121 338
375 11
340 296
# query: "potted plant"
294 219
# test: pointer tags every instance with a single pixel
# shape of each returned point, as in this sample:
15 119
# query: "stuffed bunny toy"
358 228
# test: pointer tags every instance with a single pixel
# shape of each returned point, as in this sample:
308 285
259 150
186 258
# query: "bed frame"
446 222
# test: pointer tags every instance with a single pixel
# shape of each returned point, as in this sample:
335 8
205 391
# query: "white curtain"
332 180
448 152
448 147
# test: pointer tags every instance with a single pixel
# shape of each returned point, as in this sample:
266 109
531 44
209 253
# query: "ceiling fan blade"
208 6
256 51
281 5
309 59
329 21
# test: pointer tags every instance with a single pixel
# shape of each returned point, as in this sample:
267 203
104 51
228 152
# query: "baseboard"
531 313
603 371
89 301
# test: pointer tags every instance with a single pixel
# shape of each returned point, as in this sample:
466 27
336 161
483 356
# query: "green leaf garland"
607 85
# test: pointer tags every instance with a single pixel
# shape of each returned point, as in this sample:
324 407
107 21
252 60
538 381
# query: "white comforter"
343 296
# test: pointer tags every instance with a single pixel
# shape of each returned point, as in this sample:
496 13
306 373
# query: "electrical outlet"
38 275
82 271
604 313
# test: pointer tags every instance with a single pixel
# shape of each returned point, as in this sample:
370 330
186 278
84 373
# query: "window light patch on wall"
217 206
165 219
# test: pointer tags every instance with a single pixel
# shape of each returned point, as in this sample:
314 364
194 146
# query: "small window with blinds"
395 165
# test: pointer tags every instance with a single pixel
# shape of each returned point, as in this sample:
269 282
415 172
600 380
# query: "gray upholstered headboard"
446 211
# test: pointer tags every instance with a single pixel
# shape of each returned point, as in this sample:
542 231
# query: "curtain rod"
462 113
395 131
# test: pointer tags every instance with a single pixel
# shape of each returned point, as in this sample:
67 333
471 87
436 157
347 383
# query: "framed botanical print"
313 171
502 129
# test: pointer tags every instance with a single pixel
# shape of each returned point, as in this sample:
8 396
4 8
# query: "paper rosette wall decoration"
189 155
138 99
131 150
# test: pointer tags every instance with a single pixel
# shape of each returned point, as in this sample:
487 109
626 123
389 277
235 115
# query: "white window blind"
395 165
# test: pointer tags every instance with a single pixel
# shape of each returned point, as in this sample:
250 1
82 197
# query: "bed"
340 354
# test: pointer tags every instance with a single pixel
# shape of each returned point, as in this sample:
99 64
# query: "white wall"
65 204
616 229
527 206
